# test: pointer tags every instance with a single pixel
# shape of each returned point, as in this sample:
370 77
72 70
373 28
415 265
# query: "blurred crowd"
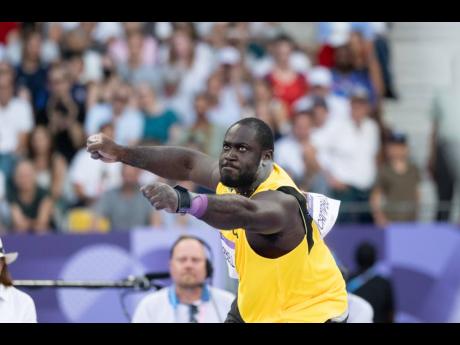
184 83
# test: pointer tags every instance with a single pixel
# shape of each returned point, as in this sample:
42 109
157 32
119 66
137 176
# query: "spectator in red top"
6 28
337 34
287 84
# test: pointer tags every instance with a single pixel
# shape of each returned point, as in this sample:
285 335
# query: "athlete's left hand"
161 196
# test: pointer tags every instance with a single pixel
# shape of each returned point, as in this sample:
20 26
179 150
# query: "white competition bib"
323 210
228 248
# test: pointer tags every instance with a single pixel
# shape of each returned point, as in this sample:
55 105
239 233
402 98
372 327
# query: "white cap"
106 30
163 30
380 28
359 92
204 29
229 56
320 76
262 67
9 257
340 33
303 104
300 62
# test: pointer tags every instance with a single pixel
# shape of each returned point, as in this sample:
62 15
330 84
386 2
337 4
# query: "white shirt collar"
4 292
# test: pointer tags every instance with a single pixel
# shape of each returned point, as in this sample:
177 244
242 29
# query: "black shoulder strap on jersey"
306 218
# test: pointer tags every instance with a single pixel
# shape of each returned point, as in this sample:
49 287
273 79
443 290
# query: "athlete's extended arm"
267 212
175 163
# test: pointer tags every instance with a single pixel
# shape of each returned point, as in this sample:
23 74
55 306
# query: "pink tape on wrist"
199 206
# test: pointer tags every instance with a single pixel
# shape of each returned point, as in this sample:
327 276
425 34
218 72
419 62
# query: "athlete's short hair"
264 134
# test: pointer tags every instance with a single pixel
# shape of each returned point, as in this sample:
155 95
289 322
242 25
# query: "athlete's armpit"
274 212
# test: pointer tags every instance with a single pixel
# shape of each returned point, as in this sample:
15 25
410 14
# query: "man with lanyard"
189 299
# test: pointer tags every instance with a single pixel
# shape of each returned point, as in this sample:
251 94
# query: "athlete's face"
240 157
188 264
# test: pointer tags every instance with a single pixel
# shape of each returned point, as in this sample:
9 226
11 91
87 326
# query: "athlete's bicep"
274 211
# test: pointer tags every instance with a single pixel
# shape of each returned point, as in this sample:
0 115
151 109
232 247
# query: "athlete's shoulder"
277 195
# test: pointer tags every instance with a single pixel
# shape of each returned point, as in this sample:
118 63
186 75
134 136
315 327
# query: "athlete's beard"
244 178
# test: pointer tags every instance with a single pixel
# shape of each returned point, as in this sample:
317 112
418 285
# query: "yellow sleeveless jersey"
301 286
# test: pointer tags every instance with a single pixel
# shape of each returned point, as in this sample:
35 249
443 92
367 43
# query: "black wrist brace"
184 200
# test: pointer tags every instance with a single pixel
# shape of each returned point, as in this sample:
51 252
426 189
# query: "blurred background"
364 112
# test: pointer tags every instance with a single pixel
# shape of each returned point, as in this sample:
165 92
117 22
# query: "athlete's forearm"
169 162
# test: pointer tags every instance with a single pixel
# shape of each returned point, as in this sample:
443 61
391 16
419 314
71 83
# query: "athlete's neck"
262 174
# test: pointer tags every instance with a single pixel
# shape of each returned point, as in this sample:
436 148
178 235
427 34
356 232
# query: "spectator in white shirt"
351 161
190 299
234 72
15 306
127 121
89 187
320 80
295 152
320 135
225 105
16 120
189 63
322 122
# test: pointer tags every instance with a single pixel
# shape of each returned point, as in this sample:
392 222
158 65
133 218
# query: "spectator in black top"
370 285
31 206
75 66
31 74
62 114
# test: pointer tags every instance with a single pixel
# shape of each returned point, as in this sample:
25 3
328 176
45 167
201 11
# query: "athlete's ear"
267 155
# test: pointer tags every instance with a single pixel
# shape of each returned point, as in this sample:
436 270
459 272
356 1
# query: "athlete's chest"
276 245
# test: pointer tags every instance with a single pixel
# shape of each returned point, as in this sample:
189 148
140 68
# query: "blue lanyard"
358 281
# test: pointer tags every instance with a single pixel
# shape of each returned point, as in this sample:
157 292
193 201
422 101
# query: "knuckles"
160 195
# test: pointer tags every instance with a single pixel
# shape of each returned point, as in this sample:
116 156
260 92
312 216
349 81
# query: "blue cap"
397 138
359 92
